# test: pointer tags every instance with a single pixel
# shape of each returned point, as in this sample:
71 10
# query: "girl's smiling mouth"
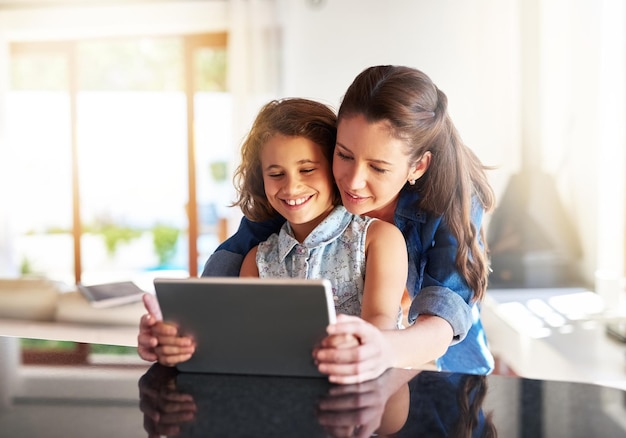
296 202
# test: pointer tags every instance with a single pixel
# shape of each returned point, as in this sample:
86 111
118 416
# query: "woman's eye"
343 156
379 170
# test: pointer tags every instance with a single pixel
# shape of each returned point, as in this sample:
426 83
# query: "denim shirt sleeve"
227 258
446 304
440 289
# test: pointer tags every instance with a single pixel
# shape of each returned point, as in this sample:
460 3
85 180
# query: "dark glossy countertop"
128 400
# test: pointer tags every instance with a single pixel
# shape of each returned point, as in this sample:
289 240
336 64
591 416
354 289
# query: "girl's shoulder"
384 232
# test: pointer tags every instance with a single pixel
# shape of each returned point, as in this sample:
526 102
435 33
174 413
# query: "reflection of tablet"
111 294
249 325
252 406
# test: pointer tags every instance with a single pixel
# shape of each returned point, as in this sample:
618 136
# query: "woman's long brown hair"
417 112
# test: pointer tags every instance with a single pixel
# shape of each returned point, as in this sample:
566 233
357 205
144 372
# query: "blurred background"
120 122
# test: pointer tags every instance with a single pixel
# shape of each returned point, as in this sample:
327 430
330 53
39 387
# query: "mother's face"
370 167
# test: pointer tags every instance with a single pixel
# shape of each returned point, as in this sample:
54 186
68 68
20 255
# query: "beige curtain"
8 264
253 50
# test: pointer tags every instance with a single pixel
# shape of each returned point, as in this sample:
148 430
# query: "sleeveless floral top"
334 250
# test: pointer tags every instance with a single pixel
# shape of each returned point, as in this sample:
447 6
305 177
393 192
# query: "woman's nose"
355 178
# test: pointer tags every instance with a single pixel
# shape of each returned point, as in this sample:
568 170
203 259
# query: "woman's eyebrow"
342 146
371 160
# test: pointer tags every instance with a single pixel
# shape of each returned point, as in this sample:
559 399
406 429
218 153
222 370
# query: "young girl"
286 171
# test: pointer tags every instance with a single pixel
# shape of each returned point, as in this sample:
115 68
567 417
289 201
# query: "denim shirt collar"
408 206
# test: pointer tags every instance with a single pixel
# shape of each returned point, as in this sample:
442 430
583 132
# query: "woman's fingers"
357 363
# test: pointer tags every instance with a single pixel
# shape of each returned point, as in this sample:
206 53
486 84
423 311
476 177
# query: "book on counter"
111 294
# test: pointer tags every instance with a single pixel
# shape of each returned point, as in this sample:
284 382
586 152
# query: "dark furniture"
105 400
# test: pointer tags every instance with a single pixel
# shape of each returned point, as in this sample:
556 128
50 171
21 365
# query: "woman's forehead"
375 139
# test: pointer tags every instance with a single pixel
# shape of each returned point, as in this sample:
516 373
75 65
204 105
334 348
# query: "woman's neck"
385 213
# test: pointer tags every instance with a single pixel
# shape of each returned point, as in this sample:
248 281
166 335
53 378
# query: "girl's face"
298 181
370 167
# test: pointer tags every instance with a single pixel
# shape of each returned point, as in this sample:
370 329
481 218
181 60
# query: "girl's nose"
291 185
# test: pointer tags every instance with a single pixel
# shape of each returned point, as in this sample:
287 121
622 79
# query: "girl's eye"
274 175
307 170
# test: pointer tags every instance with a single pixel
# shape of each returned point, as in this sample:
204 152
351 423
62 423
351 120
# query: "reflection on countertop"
130 400
555 334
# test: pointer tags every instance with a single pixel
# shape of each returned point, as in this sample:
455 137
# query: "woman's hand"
348 363
379 405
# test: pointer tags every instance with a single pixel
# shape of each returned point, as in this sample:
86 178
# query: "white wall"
473 51
468 48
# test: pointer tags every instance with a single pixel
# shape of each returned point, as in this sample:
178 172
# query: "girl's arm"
249 267
386 270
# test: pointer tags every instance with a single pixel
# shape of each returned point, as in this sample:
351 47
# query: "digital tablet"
249 325
111 294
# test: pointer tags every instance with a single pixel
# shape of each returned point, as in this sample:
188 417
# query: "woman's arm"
227 259
385 274
379 350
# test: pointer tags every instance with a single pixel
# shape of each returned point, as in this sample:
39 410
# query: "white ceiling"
24 4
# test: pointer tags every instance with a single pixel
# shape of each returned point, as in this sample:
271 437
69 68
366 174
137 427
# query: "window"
119 149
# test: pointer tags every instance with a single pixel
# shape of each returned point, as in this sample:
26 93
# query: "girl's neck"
302 231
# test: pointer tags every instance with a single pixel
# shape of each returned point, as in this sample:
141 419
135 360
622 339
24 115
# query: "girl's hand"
146 342
171 348
165 408
158 341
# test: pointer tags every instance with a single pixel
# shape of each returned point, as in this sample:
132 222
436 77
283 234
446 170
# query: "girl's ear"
422 165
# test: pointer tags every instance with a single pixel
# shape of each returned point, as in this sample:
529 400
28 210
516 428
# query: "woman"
398 158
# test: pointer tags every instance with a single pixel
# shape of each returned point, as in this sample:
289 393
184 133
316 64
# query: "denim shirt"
434 283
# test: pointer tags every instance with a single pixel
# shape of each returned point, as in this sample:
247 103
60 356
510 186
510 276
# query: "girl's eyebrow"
300 162
371 160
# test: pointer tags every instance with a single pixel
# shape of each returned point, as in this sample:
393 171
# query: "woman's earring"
412 182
